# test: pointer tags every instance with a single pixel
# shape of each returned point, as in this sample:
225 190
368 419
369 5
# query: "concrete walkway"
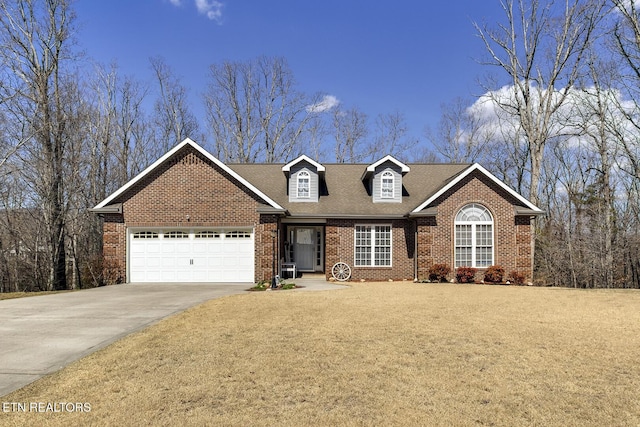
315 282
42 334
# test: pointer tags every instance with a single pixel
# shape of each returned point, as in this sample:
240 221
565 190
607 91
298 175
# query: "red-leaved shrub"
494 274
516 278
465 274
439 272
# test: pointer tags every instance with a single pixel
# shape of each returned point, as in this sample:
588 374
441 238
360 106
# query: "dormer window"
383 180
303 184
304 180
386 188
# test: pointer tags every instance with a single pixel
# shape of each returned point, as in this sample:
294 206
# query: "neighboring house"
191 218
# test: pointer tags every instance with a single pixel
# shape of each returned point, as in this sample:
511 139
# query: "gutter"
519 210
272 210
349 216
423 213
109 209
415 251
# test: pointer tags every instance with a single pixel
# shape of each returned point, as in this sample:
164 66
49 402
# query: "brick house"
191 218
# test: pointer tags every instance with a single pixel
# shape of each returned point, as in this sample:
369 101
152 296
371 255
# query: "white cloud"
211 8
495 113
574 123
325 104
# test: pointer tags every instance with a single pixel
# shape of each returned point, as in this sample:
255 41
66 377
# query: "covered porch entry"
303 249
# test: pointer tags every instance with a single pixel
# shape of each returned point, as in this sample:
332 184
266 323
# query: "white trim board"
170 153
489 175
403 168
287 168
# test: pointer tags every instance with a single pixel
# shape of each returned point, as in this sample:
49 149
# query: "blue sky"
379 56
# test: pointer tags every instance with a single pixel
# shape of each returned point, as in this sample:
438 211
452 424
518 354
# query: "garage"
180 255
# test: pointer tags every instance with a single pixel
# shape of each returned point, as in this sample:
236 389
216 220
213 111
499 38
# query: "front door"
307 248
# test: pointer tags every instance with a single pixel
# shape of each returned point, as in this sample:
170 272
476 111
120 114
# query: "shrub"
97 271
494 274
516 278
439 272
262 285
465 274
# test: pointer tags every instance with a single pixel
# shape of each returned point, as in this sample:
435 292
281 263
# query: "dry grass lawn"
374 354
12 295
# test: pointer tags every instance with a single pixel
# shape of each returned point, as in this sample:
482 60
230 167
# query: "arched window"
303 184
474 237
386 187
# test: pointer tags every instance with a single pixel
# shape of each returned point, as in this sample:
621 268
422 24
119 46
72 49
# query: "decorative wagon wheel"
341 271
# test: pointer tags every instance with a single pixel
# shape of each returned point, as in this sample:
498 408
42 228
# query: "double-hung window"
373 246
304 182
474 237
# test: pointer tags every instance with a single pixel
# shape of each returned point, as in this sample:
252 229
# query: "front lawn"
373 354
12 295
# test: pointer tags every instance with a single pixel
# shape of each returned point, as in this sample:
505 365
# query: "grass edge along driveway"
377 353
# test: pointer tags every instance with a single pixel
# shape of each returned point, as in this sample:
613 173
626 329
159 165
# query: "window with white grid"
304 182
373 246
474 237
386 188
176 235
145 235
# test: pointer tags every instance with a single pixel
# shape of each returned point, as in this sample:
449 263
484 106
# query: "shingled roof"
343 193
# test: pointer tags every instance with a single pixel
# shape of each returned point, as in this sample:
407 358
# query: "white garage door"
191 256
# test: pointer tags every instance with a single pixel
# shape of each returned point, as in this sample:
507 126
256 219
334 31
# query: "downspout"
415 251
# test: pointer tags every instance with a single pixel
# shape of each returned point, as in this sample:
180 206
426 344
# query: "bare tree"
254 111
350 132
21 236
597 125
626 38
541 48
118 144
626 41
173 118
76 172
390 136
34 38
624 125
461 136
122 142
317 130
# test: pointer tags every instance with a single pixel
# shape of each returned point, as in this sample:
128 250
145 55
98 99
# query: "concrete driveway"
41 334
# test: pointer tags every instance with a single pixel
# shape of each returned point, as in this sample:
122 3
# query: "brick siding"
340 247
512 234
188 190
